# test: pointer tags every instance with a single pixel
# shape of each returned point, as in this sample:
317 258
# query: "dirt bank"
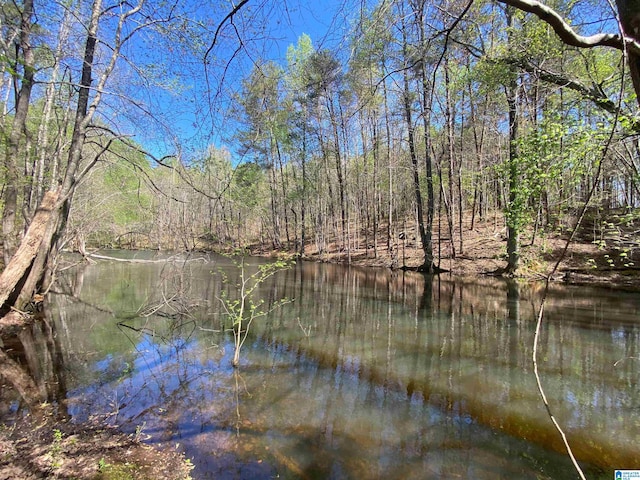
480 251
40 446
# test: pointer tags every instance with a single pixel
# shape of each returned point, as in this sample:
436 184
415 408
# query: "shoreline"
45 445
40 445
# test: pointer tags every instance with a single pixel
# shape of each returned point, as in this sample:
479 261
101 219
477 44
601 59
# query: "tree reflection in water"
367 374
32 365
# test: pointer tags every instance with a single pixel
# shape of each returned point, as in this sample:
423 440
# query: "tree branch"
595 94
567 34
220 25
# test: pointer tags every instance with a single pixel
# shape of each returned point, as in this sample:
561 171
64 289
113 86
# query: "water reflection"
367 374
32 366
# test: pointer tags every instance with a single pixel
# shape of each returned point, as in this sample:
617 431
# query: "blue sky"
266 33
196 117
167 78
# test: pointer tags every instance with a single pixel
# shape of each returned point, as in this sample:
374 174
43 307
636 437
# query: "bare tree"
30 268
16 135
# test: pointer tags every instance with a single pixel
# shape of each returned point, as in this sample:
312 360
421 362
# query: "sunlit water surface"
365 374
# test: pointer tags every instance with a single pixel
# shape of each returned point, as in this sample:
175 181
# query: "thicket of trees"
432 111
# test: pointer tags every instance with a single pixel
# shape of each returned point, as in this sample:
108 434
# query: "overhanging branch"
567 34
595 94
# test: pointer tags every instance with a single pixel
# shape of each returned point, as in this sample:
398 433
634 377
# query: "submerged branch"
139 260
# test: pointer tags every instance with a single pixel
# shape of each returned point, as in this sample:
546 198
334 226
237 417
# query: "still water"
364 374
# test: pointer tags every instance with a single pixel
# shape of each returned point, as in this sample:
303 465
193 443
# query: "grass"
118 471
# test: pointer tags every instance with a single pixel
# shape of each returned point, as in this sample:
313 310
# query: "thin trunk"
450 155
84 114
83 117
389 168
346 217
408 117
330 203
427 98
303 207
6 88
513 230
339 173
459 185
23 98
365 201
42 149
440 202
275 241
376 191
478 143
6 83
283 184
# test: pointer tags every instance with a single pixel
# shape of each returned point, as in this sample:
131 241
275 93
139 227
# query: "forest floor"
594 257
40 445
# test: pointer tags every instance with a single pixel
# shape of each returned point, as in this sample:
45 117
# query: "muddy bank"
39 445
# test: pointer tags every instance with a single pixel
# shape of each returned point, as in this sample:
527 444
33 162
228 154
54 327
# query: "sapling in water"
244 309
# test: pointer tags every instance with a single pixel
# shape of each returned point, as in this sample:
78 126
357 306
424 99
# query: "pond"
364 374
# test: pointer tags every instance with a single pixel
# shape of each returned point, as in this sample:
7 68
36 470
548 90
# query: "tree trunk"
14 280
284 188
426 243
339 174
42 148
387 126
10 235
303 206
427 99
408 117
629 11
376 188
449 120
513 227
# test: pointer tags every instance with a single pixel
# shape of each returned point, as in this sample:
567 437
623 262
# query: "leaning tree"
29 264
96 50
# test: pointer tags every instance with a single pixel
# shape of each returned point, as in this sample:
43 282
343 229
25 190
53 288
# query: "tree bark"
513 227
564 30
629 12
10 236
426 233
14 276
449 121
406 99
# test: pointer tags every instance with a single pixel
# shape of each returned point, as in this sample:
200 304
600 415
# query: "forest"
492 136
170 126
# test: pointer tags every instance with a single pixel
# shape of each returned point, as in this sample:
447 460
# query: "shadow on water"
367 374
